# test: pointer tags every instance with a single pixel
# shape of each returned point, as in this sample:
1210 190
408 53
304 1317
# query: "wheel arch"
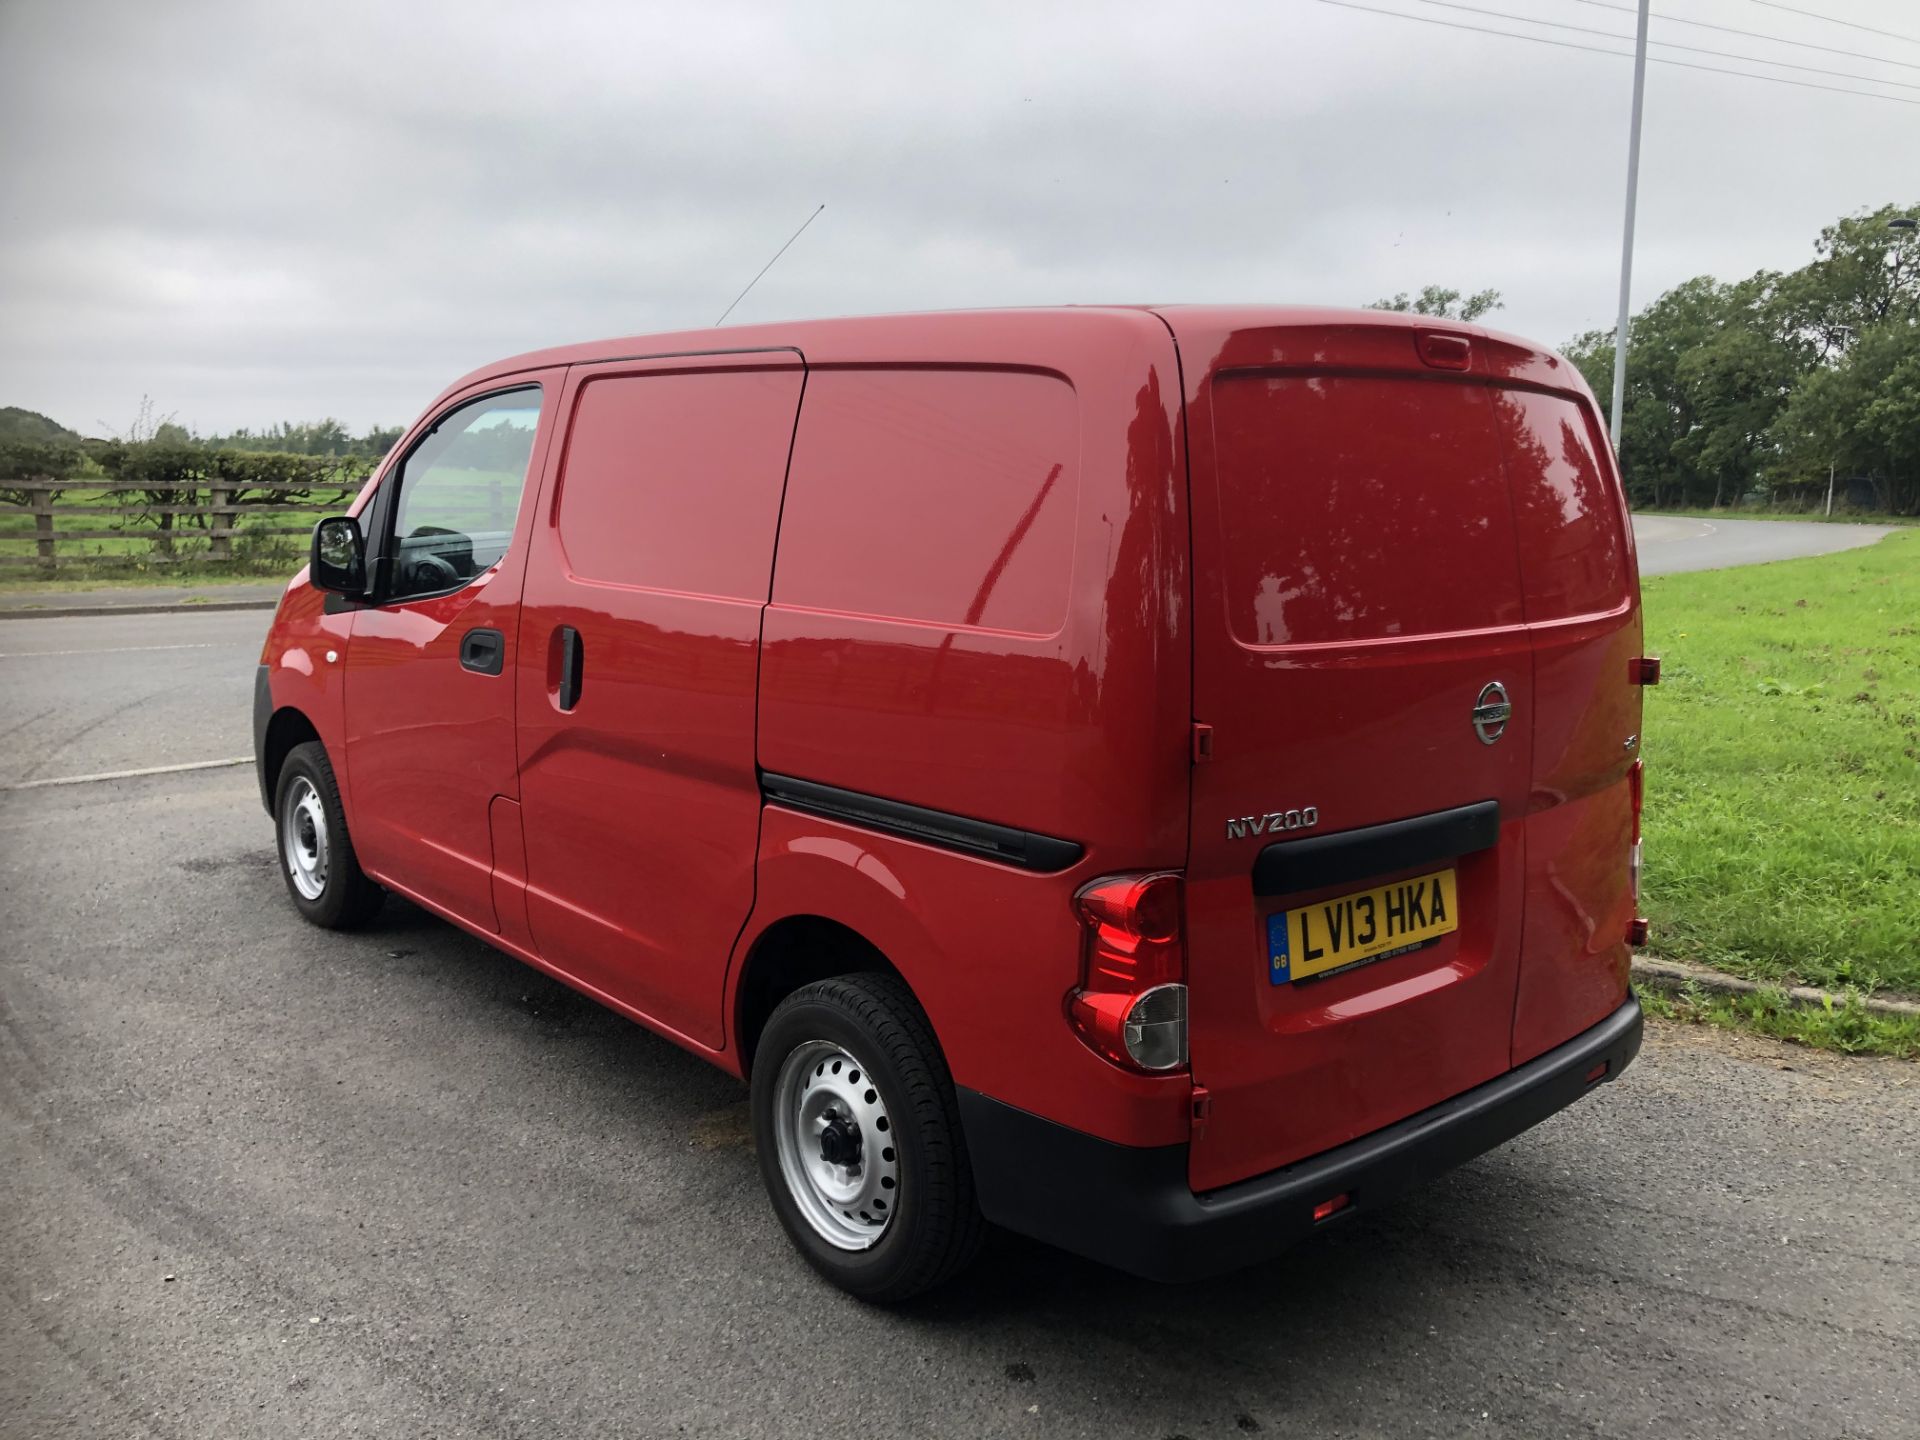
286 727
792 951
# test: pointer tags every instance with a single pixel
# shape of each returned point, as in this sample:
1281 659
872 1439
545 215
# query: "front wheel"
316 853
859 1139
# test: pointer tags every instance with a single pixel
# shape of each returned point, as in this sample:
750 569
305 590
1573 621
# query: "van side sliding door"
648 570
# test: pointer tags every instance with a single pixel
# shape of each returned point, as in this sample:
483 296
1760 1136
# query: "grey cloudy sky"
260 211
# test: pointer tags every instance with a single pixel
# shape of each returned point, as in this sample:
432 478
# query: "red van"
1160 780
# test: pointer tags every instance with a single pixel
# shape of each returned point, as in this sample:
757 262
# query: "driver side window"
460 493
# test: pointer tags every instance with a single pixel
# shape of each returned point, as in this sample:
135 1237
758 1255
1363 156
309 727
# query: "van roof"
1199 330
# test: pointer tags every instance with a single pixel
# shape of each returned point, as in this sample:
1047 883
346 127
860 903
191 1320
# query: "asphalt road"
1669 544
404 1186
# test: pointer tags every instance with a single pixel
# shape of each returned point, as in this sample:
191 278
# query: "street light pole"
1626 244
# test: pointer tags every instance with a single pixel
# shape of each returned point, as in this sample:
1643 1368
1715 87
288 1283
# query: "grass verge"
1783 769
1848 1026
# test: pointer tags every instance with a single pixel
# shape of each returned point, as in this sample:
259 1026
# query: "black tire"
935 1228
346 899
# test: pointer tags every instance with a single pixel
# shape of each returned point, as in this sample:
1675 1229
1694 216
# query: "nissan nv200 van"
1159 780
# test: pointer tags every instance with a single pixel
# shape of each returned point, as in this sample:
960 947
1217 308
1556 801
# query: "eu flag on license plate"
1279 958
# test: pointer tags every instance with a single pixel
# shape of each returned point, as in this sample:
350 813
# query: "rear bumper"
1131 1208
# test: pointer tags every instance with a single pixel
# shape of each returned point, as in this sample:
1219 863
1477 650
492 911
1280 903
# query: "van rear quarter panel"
991 657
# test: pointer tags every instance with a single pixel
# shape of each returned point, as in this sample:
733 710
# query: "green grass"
1847 1026
1783 769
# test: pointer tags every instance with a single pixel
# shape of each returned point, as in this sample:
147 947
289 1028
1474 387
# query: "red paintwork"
1003 572
642 807
428 744
1360 574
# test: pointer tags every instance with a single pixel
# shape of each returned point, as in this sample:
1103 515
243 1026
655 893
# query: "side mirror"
339 558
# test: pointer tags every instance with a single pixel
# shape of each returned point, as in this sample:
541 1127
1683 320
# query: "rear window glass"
936 495
1572 550
672 482
1358 508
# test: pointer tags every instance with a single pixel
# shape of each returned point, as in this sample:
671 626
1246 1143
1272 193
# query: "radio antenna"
769 265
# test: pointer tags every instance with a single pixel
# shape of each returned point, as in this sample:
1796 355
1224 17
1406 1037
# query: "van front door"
429 664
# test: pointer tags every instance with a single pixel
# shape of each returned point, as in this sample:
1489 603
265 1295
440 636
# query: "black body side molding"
1315 861
1022 848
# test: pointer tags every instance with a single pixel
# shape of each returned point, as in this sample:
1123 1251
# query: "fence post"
42 502
219 547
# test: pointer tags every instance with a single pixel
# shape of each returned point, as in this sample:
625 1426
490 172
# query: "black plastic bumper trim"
1023 848
1131 1208
1315 861
262 713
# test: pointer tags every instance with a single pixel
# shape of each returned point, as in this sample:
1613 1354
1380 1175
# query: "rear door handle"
483 651
573 657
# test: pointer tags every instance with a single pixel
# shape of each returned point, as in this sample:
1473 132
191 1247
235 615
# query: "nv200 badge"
1274 822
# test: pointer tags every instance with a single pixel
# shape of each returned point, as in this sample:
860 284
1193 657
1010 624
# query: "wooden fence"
160 518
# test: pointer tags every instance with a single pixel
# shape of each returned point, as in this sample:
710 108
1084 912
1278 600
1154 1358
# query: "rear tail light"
1131 1006
1637 789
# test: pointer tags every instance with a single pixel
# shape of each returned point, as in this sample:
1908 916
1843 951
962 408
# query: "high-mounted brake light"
1131 1006
1445 352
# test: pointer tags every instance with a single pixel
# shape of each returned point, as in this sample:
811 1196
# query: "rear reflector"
1326 1209
1598 1072
1445 352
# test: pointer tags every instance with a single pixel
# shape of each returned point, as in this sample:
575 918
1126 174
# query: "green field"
1783 769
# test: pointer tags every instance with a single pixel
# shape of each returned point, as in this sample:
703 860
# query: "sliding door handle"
572 657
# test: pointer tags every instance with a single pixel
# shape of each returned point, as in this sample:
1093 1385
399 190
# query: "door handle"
483 651
572 658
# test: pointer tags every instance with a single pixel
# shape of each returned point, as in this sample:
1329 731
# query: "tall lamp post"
1626 243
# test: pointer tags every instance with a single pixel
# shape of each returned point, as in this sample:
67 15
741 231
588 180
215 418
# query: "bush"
27 465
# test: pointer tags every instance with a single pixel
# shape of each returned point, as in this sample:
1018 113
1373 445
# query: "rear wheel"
859 1139
316 853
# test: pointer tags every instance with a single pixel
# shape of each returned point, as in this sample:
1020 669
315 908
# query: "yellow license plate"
1333 934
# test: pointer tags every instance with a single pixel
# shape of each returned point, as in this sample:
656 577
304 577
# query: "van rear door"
1355 876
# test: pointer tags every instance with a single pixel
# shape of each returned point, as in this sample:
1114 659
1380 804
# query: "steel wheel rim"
303 839
836 1145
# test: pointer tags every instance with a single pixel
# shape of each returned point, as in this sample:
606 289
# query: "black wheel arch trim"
1025 849
262 718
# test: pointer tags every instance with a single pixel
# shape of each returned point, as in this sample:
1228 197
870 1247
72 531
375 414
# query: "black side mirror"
339 558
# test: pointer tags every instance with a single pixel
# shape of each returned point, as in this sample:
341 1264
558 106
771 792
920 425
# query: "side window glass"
460 493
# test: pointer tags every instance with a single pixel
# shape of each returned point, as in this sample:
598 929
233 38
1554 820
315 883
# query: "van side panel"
1581 592
980 608
979 599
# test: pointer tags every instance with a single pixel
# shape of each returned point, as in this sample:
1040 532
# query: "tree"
1754 384
1861 418
18 424
1444 304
